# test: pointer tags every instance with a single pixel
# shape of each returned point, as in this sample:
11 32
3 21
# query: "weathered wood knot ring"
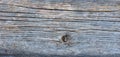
65 38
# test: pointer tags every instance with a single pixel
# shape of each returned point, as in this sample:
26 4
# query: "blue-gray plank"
60 27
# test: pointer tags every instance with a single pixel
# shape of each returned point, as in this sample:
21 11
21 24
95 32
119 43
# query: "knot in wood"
65 38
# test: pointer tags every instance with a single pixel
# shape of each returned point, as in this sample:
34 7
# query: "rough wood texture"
36 26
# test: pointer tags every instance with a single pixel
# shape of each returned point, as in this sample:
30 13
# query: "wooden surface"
36 26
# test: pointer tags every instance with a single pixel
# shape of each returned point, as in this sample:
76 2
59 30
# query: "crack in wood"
57 19
60 9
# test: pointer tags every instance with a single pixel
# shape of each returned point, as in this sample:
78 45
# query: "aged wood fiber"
36 26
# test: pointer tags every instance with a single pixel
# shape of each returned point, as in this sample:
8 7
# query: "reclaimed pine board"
36 27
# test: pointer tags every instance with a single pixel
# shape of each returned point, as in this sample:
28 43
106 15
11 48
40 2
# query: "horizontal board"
37 27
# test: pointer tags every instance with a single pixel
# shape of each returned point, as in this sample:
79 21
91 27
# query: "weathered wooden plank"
36 26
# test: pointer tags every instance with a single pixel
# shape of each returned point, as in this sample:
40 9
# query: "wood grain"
36 26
